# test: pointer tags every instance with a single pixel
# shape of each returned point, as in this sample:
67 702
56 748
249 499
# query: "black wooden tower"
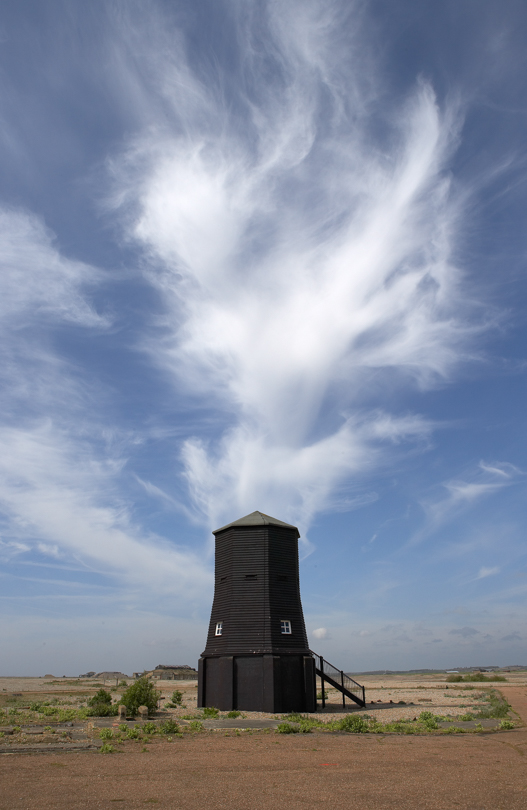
257 656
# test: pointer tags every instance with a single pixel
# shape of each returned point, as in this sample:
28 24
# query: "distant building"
171 672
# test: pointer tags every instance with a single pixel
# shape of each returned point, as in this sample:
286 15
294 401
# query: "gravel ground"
260 772
265 771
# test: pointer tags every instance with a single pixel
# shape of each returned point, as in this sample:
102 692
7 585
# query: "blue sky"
263 255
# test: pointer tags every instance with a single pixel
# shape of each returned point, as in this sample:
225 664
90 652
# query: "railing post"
322 682
363 696
342 684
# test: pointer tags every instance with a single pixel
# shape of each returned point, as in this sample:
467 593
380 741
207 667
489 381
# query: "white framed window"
285 626
219 629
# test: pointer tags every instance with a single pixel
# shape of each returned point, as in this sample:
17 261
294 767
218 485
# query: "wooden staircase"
339 680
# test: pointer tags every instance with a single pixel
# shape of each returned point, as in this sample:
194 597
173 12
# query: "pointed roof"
257 519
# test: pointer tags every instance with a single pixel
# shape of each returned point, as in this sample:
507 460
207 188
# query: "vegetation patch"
287 728
140 693
100 705
176 700
169 727
210 712
496 707
477 677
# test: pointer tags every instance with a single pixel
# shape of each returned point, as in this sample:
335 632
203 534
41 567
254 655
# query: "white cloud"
295 258
59 474
321 633
55 489
37 283
487 572
461 495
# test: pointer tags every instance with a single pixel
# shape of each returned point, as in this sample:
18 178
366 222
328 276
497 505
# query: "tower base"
258 683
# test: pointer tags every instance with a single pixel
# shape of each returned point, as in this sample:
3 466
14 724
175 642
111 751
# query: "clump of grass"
465 717
134 734
106 733
106 749
353 723
497 707
195 725
287 728
210 711
234 714
169 727
149 728
506 725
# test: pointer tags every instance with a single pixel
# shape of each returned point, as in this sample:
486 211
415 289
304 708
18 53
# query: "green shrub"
102 696
134 734
102 710
287 728
169 727
353 723
454 678
106 749
176 700
233 714
465 717
210 711
196 725
455 730
106 733
428 720
149 728
506 725
140 693
100 705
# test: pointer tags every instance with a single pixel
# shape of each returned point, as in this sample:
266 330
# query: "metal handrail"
340 680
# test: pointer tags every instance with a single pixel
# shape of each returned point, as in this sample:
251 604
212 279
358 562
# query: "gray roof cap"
257 519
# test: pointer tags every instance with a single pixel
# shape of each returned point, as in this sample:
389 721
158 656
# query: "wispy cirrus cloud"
302 246
459 495
60 491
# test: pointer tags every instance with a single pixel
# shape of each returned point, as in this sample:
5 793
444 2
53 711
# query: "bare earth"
264 770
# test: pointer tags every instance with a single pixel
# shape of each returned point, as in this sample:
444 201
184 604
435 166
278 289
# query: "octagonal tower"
257 656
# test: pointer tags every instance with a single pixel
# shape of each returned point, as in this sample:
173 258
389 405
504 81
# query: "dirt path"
517 697
261 772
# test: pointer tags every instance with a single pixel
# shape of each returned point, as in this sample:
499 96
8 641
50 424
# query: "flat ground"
260 770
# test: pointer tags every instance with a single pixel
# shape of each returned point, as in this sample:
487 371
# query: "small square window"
285 626
219 629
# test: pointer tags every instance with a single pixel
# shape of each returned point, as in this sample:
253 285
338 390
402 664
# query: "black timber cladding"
257 586
252 665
